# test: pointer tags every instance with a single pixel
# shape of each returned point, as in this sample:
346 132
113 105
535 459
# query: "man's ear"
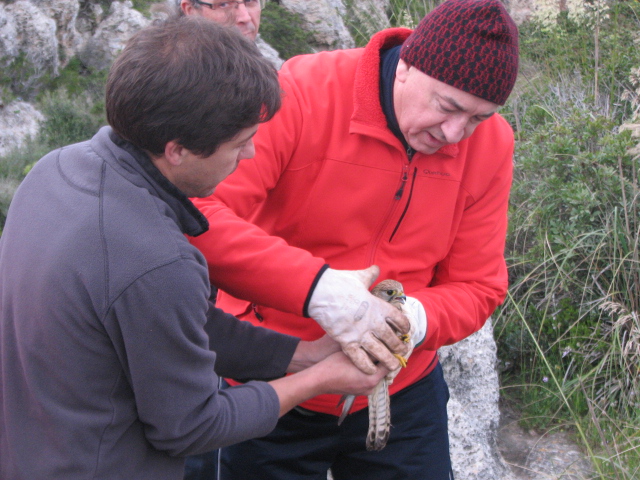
187 7
402 71
174 153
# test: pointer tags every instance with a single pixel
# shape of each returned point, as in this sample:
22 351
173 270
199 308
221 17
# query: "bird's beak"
402 299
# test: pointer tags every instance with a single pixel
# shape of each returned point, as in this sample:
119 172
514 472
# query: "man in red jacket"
392 155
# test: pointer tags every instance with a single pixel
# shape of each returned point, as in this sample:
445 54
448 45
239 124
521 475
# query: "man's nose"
241 13
454 129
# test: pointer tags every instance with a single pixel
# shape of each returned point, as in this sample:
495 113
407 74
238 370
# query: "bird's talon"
405 338
401 359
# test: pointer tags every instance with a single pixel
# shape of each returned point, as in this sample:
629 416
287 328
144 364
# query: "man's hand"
365 326
335 374
310 353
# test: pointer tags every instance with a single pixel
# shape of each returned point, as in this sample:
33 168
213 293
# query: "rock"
521 10
474 415
8 37
89 17
35 52
541 456
370 15
64 13
18 121
324 19
111 35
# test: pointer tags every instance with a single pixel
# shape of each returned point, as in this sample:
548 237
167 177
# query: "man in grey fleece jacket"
110 350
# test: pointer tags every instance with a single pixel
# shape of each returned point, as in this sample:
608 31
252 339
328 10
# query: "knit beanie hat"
469 44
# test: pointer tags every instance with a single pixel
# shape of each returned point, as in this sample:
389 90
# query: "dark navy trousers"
305 444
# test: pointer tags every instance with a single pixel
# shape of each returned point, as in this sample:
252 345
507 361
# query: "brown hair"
190 80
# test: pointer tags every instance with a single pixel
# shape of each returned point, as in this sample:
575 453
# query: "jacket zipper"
410 153
406 207
397 196
400 191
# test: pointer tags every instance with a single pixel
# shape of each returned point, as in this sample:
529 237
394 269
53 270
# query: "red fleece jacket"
331 183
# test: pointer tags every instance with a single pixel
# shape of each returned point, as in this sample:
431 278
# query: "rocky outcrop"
18 121
29 47
269 52
521 10
8 37
371 15
324 18
64 13
111 35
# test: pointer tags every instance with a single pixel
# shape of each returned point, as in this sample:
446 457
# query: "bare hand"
335 374
344 378
310 353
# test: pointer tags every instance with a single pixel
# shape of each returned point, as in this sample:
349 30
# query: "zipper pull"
254 307
400 191
410 153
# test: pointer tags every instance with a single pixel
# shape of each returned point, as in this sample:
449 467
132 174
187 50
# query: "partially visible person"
243 14
109 348
393 155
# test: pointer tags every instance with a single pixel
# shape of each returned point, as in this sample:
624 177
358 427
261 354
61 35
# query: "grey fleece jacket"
108 342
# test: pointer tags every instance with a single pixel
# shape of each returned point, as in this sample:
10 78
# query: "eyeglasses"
231 5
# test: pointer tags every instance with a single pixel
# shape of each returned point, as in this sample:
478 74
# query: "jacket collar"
135 165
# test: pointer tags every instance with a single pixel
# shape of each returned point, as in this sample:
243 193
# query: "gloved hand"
365 326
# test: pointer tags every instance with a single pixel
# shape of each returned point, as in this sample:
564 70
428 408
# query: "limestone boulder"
8 37
111 35
371 16
18 121
33 49
269 53
324 19
64 13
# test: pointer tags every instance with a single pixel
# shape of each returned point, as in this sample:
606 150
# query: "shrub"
283 30
569 328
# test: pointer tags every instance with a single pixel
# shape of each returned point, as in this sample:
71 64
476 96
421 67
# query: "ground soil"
533 455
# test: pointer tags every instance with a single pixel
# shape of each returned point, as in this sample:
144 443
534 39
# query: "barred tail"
379 416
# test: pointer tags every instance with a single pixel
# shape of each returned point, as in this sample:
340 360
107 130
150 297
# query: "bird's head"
390 291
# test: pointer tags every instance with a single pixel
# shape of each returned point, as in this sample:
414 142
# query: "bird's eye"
390 292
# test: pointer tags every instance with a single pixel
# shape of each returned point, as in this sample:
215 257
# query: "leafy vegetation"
569 331
284 31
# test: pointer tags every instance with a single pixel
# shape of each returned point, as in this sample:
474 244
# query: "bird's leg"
401 359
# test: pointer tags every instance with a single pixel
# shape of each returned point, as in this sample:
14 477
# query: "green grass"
569 328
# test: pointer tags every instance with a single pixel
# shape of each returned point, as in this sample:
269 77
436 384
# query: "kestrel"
379 413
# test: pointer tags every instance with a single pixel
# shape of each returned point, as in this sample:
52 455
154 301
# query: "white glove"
417 316
414 311
365 326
